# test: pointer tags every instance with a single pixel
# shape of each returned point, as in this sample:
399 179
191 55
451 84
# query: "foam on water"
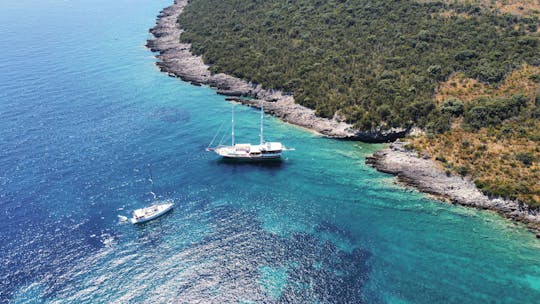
83 110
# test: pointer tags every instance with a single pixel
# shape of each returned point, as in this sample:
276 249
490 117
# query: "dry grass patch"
503 160
493 158
524 80
515 7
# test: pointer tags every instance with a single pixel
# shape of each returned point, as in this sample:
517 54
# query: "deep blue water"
83 111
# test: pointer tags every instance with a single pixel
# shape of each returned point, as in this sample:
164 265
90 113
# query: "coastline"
176 59
426 176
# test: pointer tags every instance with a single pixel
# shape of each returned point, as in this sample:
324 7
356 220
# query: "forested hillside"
376 61
394 64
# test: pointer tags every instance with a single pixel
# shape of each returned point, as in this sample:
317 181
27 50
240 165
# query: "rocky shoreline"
176 59
425 175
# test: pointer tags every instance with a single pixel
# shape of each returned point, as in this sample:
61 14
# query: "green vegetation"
527 158
467 72
453 107
486 112
376 62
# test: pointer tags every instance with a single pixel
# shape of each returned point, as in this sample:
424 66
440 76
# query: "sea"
85 116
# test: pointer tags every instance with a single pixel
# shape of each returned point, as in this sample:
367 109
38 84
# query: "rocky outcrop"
176 59
425 175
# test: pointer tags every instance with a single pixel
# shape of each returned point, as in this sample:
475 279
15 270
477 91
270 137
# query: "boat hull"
164 208
247 153
251 158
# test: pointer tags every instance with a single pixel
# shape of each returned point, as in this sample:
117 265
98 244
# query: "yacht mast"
232 125
262 124
151 180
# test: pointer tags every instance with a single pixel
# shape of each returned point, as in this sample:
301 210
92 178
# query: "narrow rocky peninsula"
176 59
425 175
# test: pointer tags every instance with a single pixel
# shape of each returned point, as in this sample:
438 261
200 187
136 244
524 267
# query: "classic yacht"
261 152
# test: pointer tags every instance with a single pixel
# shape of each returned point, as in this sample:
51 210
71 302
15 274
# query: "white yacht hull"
232 153
251 158
150 213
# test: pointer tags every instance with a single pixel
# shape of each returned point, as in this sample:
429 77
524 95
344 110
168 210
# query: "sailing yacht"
149 213
157 209
261 152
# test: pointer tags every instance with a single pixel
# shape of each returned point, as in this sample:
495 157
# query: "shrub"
485 112
462 170
434 70
452 106
527 158
466 55
441 158
419 110
489 72
409 147
480 184
440 124
535 78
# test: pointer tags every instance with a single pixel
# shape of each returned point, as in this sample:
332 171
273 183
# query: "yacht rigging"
245 151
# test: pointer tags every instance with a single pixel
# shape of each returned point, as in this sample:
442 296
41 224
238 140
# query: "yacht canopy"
272 146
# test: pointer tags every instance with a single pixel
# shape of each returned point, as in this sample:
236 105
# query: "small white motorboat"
149 213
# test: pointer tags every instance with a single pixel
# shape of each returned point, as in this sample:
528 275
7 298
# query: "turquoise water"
83 110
